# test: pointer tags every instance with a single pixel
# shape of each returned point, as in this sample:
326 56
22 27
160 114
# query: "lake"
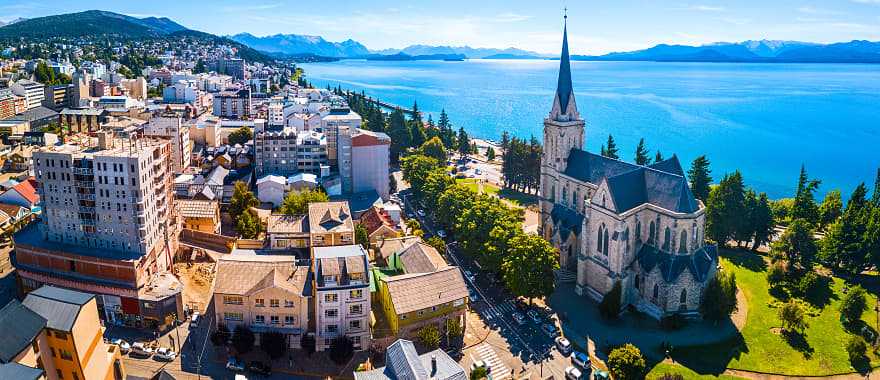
763 119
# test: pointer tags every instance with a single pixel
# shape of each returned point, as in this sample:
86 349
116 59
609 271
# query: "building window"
356 294
60 335
605 242
355 325
66 355
637 282
330 297
233 316
356 309
232 300
652 234
656 292
273 303
260 319
288 303
259 302
683 297
667 239
75 377
288 320
682 242
274 319
60 374
332 329
331 313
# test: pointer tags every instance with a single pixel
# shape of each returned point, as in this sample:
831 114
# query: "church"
614 221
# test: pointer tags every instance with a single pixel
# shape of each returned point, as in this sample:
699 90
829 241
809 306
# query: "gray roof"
563 85
671 265
34 114
662 184
20 326
404 363
19 372
359 202
59 306
568 220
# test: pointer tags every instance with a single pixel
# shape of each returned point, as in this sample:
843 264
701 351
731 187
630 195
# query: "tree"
437 243
792 317
429 336
700 178
611 303
341 349
434 148
482 230
401 135
479 373
856 349
248 225
361 236
242 339
726 212
490 154
416 168
242 199
200 67
642 153
804 201
240 136
274 344
848 241
435 184
626 363
452 203
719 298
762 221
297 202
220 336
658 157
610 149
454 329
529 265
308 344
876 196
414 228
831 208
464 143
417 133
852 306
797 245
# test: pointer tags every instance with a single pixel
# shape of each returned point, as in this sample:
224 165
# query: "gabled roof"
247 274
19 372
388 247
374 219
419 257
671 265
59 306
669 165
404 363
194 208
286 224
20 326
417 291
567 220
27 191
330 217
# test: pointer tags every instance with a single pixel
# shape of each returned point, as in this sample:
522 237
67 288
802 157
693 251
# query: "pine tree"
401 136
658 157
642 153
700 178
805 206
876 197
490 154
464 146
417 134
611 149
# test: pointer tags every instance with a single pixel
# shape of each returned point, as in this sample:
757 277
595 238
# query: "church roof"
567 219
564 88
699 263
662 184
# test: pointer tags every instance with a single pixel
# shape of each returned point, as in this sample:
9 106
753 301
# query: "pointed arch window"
652 233
638 231
683 297
656 292
565 194
682 242
605 243
626 241
599 239
667 239
637 282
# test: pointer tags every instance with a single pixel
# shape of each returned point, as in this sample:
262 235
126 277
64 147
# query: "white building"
170 126
284 151
370 162
342 295
271 189
32 92
338 124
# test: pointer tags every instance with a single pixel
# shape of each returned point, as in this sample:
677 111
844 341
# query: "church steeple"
564 105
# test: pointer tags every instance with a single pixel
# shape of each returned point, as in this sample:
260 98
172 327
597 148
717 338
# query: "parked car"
519 318
478 171
235 365
421 213
581 360
260 368
479 364
194 319
166 354
572 373
563 345
124 347
474 297
141 349
601 375
441 234
550 330
534 316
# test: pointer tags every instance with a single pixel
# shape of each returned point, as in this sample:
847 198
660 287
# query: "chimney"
433 365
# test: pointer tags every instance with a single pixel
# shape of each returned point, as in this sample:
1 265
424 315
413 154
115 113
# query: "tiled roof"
59 306
411 292
286 224
27 190
193 208
20 326
330 217
672 265
419 257
388 247
404 363
374 218
246 274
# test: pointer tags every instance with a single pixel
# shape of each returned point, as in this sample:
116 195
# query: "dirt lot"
197 279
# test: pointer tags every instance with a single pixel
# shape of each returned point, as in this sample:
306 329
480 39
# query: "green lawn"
819 351
674 369
472 184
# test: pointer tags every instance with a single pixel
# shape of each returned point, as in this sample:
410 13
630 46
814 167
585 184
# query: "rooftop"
286 224
192 208
32 236
60 307
418 291
20 326
404 363
330 217
247 274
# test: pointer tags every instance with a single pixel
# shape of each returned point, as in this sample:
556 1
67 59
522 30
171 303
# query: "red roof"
27 190
374 218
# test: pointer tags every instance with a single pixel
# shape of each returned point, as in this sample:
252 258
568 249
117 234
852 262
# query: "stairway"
565 276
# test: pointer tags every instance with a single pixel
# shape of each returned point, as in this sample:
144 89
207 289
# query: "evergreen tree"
726 211
831 208
876 196
417 133
700 178
610 149
464 145
490 154
401 136
845 242
642 153
805 206
658 157
762 221
797 245
505 140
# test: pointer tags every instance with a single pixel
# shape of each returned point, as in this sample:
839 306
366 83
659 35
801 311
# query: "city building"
137 88
338 126
24 349
75 335
330 223
23 194
32 92
266 293
414 300
284 151
286 232
234 67
14 127
342 295
83 119
7 103
272 189
233 104
200 215
108 227
169 126
404 362
57 97
617 222
378 224
370 162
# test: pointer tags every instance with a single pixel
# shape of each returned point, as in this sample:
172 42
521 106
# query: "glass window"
273 303
330 297
288 303
288 320
356 309
260 319
259 302
332 328
274 319
331 313
357 293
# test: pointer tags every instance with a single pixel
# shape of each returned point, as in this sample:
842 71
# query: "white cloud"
702 8
818 11
510 17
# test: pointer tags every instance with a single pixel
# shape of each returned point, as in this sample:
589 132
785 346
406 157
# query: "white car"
165 354
572 373
581 360
142 349
194 319
469 275
421 213
441 234
563 345
124 347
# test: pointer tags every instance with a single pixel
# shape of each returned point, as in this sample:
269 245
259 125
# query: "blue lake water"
763 119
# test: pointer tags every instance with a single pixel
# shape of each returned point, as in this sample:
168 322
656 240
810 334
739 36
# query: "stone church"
615 221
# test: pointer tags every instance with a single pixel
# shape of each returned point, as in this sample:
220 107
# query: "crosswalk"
487 354
505 309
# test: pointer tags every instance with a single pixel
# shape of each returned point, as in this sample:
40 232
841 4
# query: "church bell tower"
563 127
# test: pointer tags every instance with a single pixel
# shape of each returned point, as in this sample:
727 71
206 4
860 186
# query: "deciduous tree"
429 336
853 304
240 136
297 202
529 265
792 317
434 148
241 200
626 363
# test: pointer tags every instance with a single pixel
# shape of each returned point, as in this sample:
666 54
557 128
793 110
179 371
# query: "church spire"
564 90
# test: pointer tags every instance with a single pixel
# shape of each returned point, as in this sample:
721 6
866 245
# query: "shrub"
670 376
792 316
429 336
479 373
776 273
809 285
854 303
611 303
626 363
719 298
341 349
856 348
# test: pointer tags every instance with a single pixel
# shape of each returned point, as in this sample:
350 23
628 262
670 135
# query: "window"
259 302
288 320
667 239
357 293
599 238
682 242
232 300
260 319
53 352
61 335
656 292
273 303
331 313
683 297
652 234
288 303
355 325
605 242
75 377
330 297
356 309
637 282
60 374
332 329
233 316
65 354
638 231
274 319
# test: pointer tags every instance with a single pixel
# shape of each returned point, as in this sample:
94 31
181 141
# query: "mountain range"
752 51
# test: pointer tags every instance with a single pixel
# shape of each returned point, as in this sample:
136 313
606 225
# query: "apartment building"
233 104
284 151
7 103
82 119
169 126
330 223
32 92
339 125
266 293
233 67
57 97
342 295
24 351
370 162
108 226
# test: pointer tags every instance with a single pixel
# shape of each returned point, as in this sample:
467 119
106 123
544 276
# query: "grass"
473 185
818 351
688 374
517 198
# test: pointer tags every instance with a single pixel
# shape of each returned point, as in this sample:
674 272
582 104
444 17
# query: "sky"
595 27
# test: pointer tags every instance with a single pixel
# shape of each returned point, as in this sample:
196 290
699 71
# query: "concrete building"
233 67
32 92
7 103
272 189
330 223
370 162
617 222
58 97
339 125
137 88
170 126
82 119
286 152
108 227
286 232
233 104
342 295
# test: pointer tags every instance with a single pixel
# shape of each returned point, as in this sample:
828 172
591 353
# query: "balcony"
84 184
87 222
84 171
85 196
87 209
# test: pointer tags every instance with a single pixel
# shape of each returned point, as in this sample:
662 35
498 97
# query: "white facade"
172 128
287 152
342 295
271 189
31 91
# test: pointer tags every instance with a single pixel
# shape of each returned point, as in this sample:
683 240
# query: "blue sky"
596 26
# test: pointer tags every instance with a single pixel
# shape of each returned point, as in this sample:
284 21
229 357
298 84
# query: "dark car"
260 368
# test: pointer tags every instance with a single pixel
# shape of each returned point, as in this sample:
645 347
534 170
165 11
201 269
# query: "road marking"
499 369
